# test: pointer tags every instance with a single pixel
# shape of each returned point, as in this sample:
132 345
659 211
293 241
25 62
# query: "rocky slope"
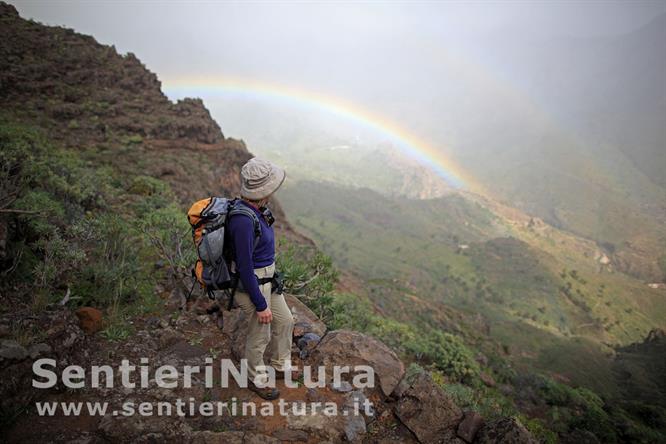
407 407
87 95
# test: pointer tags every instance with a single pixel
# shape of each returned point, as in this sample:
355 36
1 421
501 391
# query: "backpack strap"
239 208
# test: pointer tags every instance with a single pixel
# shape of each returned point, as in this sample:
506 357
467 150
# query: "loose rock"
12 351
487 379
305 320
427 410
307 343
349 348
505 431
357 400
469 426
37 350
342 387
90 319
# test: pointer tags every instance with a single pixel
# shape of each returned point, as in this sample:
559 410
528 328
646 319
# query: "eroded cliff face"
69 81
89 97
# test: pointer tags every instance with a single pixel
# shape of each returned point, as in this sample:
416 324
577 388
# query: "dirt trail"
181 338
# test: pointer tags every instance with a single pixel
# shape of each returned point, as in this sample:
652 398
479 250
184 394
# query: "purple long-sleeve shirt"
241 230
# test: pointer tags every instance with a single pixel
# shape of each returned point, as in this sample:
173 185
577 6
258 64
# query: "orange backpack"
208 218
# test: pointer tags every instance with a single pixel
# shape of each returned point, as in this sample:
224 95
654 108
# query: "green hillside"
544 292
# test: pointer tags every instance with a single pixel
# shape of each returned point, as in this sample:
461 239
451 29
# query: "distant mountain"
573 130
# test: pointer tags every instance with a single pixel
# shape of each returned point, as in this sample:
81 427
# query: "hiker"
270 320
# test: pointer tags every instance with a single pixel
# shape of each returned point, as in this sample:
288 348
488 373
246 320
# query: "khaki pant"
277 334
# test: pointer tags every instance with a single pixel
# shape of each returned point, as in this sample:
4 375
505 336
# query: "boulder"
305 321
60 338
426 410
62 333
291 435
37 350
342 387
355 428
307 343
356 401
469 426
12 351
185 352
487 379
504 431
316 424
346 426
313 395
168 337
235 326
349 348
144 429
209 437
231 437
201 306
90 319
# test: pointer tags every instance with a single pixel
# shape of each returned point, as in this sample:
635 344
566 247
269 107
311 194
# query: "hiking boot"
295 374
267 393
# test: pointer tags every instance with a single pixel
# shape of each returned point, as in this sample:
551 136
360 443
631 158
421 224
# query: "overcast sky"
298 40
444 70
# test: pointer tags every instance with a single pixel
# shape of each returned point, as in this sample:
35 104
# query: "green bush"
489 402
117 274
639 422
577 408
166 229
307 271
149 186
133 139
71 227
539 430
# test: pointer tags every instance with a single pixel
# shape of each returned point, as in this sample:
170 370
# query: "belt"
265 280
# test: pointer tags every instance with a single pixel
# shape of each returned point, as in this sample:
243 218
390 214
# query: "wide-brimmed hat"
260 178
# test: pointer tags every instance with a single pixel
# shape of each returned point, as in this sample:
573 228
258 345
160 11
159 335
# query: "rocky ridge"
89 97
406 407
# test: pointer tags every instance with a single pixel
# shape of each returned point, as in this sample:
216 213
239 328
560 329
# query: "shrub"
117 274
577 408
149 186
168 231
539 430
307 272
70 224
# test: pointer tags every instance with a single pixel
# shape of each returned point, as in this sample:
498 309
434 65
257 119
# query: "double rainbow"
406 142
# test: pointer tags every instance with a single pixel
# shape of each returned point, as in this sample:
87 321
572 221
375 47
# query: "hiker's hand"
265 317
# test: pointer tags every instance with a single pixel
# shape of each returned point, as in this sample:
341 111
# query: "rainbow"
406 142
